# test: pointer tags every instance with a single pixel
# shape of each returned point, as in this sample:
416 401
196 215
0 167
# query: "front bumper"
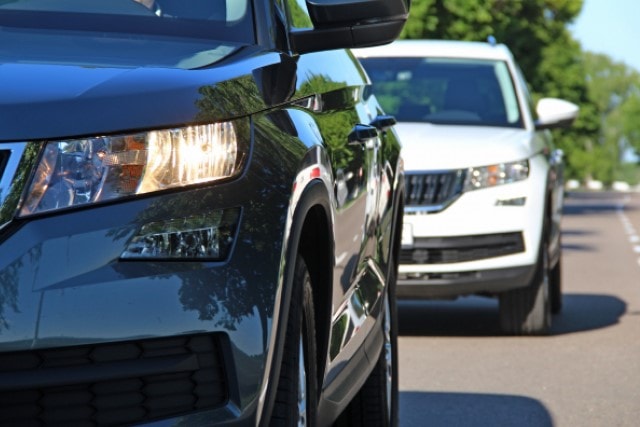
486 241
65 290
450 285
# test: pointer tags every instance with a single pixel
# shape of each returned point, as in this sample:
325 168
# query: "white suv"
484 183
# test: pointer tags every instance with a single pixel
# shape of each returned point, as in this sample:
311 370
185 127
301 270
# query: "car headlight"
88 170
489 176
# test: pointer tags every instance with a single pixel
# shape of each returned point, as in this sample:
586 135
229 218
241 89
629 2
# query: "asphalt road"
456 369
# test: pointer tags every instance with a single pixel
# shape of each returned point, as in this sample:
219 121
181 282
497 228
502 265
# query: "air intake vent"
445 250
112 383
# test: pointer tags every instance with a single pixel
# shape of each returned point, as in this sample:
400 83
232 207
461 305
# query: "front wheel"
527 311
296 398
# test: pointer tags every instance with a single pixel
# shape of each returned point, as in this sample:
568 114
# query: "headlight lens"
80 171
489 176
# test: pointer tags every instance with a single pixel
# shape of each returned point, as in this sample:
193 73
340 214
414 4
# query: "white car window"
506 86
456 91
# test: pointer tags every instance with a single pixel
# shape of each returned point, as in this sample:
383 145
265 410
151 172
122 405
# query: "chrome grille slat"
432 191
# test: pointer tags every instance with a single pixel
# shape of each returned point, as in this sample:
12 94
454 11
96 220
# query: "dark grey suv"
200 213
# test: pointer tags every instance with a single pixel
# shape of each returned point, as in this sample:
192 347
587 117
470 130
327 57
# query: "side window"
509 100
298 15
525 91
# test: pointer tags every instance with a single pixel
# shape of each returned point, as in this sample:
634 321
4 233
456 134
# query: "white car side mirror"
554 112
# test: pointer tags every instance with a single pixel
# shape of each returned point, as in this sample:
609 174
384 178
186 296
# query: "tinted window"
445 91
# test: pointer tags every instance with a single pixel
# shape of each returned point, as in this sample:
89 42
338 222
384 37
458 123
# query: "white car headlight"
81 171
490 176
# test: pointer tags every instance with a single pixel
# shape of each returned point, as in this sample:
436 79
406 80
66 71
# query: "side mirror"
554 113
350 23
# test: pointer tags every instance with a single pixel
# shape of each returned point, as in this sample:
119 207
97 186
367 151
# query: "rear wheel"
527 311
376 404
296 398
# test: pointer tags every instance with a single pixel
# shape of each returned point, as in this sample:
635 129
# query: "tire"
527 311
555 287
296 397
376 404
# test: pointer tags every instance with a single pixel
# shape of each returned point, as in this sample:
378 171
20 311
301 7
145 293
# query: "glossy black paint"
62 282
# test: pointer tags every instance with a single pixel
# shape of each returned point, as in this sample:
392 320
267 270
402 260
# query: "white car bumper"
486 241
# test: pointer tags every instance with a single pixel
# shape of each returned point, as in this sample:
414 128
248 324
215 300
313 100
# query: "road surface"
456 369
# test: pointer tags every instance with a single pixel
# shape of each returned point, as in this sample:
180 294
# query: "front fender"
311 191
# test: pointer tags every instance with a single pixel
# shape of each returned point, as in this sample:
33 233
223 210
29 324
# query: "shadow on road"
477 316
572 232
578 247
434 409
595 203
569 234
585 312
466 316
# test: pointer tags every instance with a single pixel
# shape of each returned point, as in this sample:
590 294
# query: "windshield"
445 91
172 33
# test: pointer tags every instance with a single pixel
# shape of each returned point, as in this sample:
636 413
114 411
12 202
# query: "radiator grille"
112 383
433 191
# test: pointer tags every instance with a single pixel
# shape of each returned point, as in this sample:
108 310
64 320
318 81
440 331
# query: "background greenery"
597 147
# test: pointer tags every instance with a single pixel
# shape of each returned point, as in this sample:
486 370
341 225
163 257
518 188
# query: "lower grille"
112 383
444 250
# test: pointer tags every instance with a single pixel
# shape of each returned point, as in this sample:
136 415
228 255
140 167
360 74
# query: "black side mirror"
351 23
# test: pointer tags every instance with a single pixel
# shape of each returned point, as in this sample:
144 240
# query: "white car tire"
555 284
527 311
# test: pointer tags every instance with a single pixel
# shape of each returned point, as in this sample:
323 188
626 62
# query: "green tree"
614 89
629 123
527 27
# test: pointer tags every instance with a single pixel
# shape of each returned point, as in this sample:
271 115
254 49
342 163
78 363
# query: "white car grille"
432 191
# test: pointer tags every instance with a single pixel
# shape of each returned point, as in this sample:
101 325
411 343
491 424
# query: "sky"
611 27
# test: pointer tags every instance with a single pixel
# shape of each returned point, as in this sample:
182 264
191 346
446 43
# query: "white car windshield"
445 90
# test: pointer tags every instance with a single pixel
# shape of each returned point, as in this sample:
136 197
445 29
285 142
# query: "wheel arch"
311 236
316 246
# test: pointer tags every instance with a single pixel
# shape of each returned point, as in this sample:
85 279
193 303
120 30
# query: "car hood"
427 146
41 99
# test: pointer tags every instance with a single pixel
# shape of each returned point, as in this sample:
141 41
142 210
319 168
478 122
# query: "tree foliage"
536 32
527 27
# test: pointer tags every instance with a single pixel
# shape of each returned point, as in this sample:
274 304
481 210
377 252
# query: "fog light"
203 237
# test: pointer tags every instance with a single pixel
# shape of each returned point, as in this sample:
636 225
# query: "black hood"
43 99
